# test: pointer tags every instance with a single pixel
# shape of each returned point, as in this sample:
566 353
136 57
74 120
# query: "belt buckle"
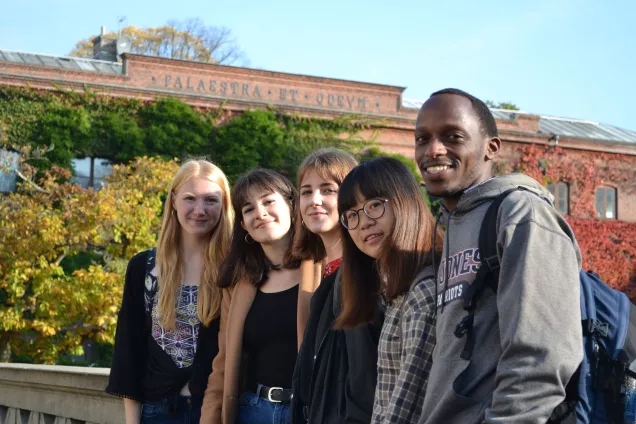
269 394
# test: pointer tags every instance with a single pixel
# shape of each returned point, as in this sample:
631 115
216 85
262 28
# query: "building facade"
237 89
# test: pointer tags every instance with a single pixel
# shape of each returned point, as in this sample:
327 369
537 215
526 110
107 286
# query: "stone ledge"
43 394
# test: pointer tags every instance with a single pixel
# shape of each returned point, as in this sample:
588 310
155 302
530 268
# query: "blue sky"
565 58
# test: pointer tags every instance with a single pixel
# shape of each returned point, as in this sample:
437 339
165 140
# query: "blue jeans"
257 410
188 412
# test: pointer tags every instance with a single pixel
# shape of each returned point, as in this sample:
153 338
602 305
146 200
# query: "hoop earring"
248 240
303 223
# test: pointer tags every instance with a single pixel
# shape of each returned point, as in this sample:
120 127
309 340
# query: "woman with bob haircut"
335 371
251 378
167 330
388 252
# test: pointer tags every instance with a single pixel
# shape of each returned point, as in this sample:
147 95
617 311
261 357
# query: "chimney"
105 47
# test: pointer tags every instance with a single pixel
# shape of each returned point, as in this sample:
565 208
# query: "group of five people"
338 301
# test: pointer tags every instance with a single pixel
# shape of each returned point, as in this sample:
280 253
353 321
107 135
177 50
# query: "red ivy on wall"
608 247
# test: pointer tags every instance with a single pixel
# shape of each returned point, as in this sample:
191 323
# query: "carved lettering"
285 94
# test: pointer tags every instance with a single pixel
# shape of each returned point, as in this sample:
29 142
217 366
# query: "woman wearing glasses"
335 375
388 252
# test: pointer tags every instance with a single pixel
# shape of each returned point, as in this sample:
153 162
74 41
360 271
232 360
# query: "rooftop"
563 127
71 63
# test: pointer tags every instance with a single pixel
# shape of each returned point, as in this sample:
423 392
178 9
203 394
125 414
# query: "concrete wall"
47 394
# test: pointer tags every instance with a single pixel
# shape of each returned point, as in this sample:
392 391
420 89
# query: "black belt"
275 394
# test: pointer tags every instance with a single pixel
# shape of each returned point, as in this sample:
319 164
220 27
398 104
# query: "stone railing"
46 394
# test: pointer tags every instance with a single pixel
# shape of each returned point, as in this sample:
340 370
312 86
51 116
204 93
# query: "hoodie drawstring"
439 216
446 266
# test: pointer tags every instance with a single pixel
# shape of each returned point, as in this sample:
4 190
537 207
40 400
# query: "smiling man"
525 338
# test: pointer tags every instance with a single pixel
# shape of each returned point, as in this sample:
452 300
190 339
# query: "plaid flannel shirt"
405 355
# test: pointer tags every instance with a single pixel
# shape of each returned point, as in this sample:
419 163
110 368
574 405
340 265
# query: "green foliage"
501 105
68 129
375 152
248 141
86 124
269 139
120 137
174 129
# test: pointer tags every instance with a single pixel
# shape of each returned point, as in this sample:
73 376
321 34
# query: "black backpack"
596 392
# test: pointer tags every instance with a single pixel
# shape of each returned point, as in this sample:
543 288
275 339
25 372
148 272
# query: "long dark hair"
406 251
331 165
247 261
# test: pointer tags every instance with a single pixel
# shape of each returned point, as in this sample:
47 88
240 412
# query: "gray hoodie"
528 339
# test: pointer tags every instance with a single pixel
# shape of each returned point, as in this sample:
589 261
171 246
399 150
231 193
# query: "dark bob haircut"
404 253
247 261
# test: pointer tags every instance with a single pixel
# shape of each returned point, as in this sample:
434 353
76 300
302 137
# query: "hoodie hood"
489 189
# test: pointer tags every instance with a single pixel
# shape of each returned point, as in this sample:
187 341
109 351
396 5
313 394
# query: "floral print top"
180 343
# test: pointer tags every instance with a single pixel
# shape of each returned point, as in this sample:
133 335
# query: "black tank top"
270 339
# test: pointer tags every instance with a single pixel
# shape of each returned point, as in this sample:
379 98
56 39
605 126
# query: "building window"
606 202
561 193
91 172
8 165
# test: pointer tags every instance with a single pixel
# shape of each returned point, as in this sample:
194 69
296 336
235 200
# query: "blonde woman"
167 331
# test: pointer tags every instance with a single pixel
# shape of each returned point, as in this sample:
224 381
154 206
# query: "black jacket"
336 370
140 369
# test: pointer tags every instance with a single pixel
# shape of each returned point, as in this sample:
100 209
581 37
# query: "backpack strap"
427 273
487 275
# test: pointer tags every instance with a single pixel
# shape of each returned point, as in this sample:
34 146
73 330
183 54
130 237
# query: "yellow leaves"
37 232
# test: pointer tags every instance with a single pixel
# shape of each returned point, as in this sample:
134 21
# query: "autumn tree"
190 39
48 304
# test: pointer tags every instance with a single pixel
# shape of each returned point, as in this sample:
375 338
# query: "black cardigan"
336 370
140 369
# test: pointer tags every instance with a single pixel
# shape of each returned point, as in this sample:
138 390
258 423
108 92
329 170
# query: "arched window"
606 202
561 193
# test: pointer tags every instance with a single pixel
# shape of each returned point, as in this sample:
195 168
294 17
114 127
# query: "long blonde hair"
169 262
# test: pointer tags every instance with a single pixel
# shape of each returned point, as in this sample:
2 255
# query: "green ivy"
91 124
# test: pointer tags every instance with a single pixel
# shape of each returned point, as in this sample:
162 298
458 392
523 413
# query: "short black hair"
486 120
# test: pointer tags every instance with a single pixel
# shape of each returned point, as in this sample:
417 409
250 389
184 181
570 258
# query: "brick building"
237 89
